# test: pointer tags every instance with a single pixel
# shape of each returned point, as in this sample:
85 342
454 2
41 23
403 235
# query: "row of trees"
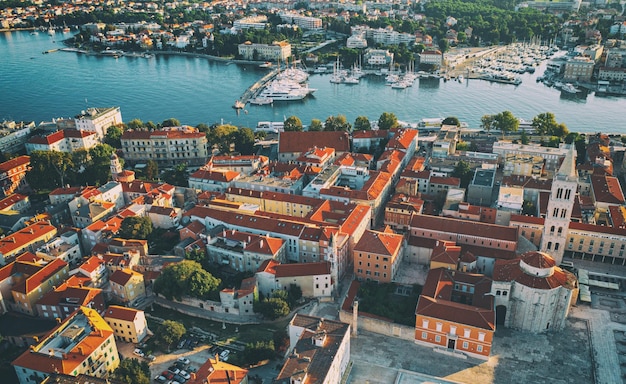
386 121
186 278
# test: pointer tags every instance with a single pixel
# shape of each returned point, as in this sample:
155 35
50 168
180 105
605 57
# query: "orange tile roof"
123 276
380 243
215 371
220 175
463 227
26 236
268 266
35 280
510 270
11 200
41 361
402 139
607 189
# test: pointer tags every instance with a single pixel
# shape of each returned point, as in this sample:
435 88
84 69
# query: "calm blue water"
39 87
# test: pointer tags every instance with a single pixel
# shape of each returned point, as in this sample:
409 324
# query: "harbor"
204 91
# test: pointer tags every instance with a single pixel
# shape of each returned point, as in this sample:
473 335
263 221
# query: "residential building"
314 279
551 156
481 187
400 209
66 140
251 22
291 145
277 51
164 217
127 285
532 293
27 279
523 165
455 313
66 298
377 256
82 344
14 135
431 58
94 268
579 68
98 120
240 301
128 324
304 22
320 351
244 252
166 146
15 203
377 57
26 239
244 164
13 175
65 247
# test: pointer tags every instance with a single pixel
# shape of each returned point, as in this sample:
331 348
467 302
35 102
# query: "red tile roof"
11 200
513 270
35 280
121 313
26 236
302 269
437 294
298 142
219 175
402 139
14 163
607 189
446 252
462 227
215 371
267 266
122 276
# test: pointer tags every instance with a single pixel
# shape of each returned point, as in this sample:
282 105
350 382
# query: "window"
465 345
438 338
556 246
439 327
466 333
479 348
452 330
504 293
481 336
424 323
424 335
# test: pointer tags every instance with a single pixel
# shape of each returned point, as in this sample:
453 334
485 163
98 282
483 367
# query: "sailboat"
66 29
51 30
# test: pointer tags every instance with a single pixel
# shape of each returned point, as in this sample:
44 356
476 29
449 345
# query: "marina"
206 90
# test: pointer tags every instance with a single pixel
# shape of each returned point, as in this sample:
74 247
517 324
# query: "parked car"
168 375
183 360
180 379
224 355
138 352
184 374
160 379
181 344
174 370
150 357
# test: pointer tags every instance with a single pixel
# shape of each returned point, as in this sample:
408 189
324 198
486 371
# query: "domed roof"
538 259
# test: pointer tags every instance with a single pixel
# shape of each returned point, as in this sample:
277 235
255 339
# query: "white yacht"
570 88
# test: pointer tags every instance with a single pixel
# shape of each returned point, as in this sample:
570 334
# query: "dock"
50 50
257 87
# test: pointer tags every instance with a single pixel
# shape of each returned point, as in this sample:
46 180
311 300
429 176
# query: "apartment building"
167 147
244 252
13 175
82 344
128 324
277 51
98 120
26 239
127 285
377 256
66 140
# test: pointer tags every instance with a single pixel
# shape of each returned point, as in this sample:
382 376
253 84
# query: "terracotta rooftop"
123 276
607 189
26 236
380 243
298 142
511 270
436 300
13 163
302 269
268 266
8 202
215 371
463 227
121 313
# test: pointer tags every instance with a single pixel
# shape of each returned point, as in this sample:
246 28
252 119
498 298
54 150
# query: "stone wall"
377 325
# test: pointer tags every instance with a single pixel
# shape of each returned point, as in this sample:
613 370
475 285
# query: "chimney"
217 358
80 350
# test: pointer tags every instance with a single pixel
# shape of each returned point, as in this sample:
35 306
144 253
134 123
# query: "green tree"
387 121
294 294
136 227
293 124
316 125
169 332
113 136
272 308
259 351
463 171
444 45
132 371
151 171
452 120
337 123
222 136
524 139
49 169
135 124
185 278
171 122
362 123
486 122
544 123
177 176
98 171
202 128
506 122
244 141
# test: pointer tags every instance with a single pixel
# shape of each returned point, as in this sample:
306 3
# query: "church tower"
560 205
116 166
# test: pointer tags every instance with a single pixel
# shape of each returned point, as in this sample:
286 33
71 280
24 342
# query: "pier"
255 88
